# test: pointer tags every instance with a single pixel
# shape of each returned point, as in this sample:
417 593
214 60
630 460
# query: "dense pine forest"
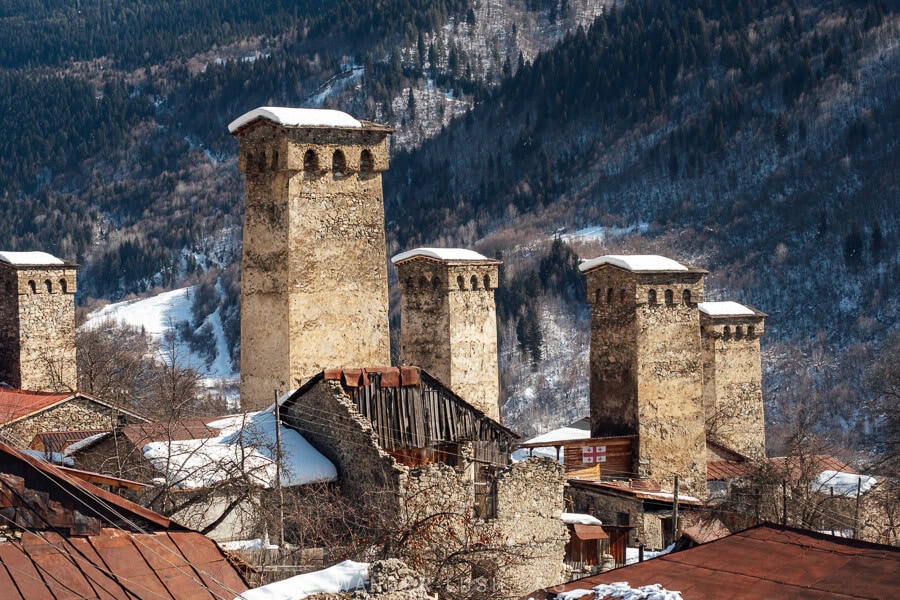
753 139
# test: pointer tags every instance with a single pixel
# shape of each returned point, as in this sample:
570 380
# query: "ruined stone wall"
39 354
732 383
449 326
646 369
77 414
314 275
611 510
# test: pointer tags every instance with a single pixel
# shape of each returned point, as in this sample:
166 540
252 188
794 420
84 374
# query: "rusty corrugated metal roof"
15 404
117 564
57 441
792 466
765 562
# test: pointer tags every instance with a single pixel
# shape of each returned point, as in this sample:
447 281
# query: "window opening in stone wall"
33 286
310 161
487 282
49 285
262 161
436 283
460 282
275 160
250 158
366 162
751 331
727 333
670 297
738 332
474 282
423 282
622 296
686 296
62 286
485 492
651 297
597 296
338 163
609 296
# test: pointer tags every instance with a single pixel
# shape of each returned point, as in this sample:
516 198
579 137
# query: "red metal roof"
15 404
795 466
117 564
766 562
141 434
57 441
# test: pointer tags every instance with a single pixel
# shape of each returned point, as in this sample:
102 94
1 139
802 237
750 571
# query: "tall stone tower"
449 321
314 291
732 376
37 322
645 363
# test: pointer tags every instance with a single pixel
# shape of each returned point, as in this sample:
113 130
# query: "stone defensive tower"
37 322
645 363
314 291
449 321
732 376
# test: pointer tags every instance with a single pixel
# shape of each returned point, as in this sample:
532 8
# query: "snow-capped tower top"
296 117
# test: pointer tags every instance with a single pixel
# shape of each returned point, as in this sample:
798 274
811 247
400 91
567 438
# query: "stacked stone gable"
37 327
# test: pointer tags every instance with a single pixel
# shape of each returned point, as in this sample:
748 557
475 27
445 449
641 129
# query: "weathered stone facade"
314 288
732 382
526 528
37 327
78 414
646 368
449 325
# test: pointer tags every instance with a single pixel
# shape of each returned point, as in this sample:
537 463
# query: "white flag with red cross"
593 454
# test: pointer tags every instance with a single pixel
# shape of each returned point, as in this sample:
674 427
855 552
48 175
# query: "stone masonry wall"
732 383
38 348
314 275
77 414
449 326
646 369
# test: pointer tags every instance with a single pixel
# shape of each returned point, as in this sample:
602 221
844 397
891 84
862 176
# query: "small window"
338 164
310 161
686 296
738 332
33 286
622 296
474 282
651 297
49 285
250 157
436 283
751 331
460 282
598 296
262 161
727 332
670 297
275 160
423 282
409 283
366 162
487 282
609 296
62 286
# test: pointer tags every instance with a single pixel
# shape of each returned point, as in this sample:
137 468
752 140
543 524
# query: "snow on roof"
580 519
842 484
579 430
343 577
634 262
296 117
725 309
85 442
440 254
622 590
30 258
245 441
56 458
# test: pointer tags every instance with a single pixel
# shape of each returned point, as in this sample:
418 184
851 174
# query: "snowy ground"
158 316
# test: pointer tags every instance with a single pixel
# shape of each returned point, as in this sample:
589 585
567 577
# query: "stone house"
25 414
400 436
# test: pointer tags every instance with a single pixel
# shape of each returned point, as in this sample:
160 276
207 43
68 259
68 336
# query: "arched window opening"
409 283
33 286
702 330
250 159
651 297
366 162
338 164
436 283
751 331
49 285
686 296
460 282
262 161
275 160
609 296
727 332
598 297
423 282
622 296
474 282
62 286
487 282
310 161
738 332
670 297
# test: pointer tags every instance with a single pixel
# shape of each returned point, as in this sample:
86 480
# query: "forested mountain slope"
755 139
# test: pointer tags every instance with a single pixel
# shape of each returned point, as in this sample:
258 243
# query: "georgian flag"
593 454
